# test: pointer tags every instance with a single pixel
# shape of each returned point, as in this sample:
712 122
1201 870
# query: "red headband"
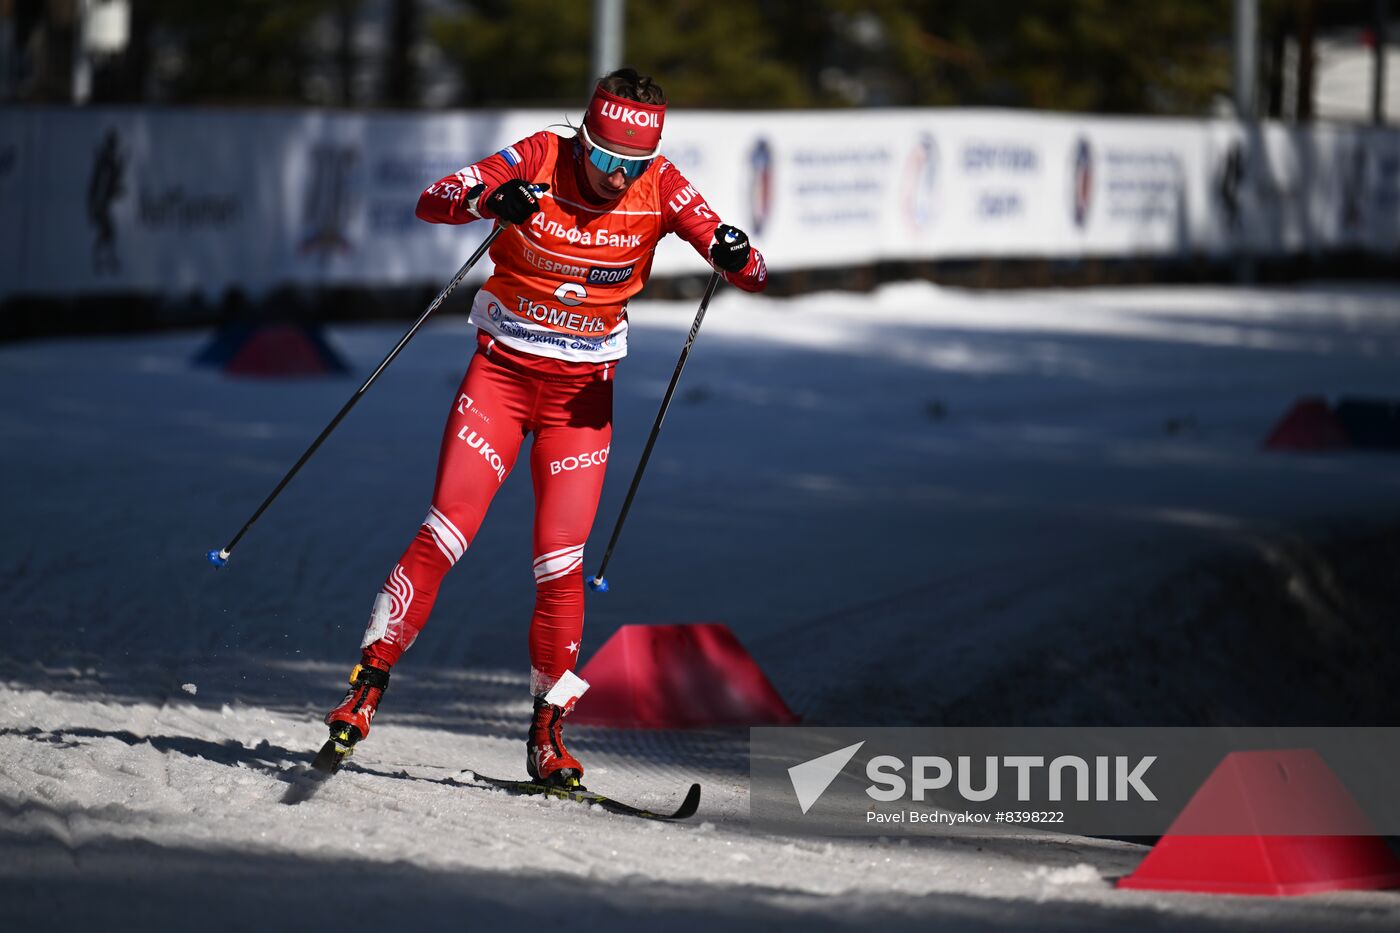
616 121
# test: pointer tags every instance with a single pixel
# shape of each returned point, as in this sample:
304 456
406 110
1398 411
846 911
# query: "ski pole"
219 558
599 583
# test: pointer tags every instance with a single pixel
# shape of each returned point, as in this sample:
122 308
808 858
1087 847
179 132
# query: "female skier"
582 217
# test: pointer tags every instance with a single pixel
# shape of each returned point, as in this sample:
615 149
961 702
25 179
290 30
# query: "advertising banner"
175 202
121 201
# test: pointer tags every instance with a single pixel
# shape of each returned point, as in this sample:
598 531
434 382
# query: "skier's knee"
449 540
557 564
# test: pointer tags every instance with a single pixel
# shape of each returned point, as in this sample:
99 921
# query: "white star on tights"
573 647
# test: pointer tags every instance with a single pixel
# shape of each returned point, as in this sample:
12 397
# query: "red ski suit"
552 323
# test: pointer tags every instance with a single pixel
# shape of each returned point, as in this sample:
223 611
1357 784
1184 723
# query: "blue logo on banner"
326 207
760 185
1230 184
921 183
1082 179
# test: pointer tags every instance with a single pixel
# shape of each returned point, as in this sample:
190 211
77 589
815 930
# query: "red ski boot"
350 720
546 758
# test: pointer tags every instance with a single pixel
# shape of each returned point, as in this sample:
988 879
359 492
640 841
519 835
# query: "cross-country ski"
684 811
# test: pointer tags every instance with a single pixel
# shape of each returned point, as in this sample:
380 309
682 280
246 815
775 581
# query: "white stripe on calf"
558 563
447 524
449 540
572 549
563 572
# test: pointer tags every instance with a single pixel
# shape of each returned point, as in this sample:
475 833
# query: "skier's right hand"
514 201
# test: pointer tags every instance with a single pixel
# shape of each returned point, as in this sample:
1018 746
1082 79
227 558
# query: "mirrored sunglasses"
609 162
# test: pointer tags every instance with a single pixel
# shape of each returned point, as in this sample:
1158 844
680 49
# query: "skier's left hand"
730 251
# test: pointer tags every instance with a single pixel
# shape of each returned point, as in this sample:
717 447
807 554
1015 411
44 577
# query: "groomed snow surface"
919 505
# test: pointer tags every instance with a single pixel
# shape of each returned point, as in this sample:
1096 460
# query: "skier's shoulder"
669 175
665 166
534 149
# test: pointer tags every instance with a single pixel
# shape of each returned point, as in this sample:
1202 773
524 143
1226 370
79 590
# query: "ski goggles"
609 162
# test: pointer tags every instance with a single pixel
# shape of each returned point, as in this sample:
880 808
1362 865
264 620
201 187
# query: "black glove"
514 201
730 250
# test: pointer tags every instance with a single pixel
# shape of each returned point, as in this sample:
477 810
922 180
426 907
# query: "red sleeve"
685 213
445 201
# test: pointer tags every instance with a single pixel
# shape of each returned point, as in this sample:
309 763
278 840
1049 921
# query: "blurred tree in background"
547 43
1089 55
1094 55
252 50
1097 56
538 51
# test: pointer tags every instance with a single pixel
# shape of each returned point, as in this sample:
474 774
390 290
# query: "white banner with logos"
175 202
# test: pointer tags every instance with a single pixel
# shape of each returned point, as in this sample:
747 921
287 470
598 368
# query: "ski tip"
217 558
689 805
598 584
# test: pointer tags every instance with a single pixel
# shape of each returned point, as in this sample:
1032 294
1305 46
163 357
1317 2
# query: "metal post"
82 63
1380 13
8 54
1246 42
1307 59
607 38
345 52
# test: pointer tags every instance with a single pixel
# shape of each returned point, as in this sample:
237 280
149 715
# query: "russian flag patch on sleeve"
510 155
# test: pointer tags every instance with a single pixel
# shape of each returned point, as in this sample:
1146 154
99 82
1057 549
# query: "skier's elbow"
429 205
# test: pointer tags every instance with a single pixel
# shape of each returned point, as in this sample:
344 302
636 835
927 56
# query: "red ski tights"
504 397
